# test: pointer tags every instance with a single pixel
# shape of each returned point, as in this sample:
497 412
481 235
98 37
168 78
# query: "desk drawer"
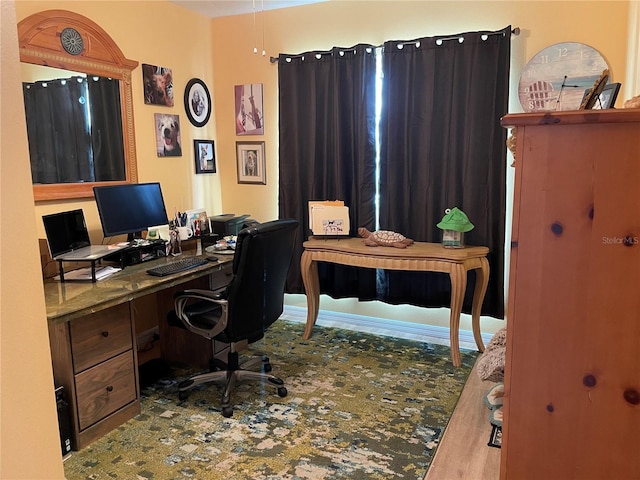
222 277
105 388
100 336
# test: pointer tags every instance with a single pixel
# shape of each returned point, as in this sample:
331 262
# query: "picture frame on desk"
251 162
205 156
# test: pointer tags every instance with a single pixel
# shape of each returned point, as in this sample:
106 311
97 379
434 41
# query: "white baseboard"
383 326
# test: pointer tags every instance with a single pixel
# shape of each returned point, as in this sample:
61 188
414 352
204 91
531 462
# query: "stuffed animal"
384 238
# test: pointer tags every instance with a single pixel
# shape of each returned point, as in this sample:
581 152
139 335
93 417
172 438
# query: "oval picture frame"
197 102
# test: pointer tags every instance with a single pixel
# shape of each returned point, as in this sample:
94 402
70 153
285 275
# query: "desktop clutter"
215 234
131 209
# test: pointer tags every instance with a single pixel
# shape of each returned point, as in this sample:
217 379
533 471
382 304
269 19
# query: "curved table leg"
458 275
309 271
482 280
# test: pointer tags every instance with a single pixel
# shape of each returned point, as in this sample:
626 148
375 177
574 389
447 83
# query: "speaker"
64 421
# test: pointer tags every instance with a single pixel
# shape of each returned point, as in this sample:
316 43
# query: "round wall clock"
557 76
71 41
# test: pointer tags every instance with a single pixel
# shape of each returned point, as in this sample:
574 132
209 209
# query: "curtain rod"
514 31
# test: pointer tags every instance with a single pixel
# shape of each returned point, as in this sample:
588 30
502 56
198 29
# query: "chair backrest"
260 266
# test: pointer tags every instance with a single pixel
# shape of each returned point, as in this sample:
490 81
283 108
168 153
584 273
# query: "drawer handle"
105 334
109 388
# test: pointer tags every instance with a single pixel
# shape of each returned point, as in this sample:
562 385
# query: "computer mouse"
211 258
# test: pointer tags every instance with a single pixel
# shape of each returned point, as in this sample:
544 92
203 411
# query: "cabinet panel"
100 336
572 378
103 389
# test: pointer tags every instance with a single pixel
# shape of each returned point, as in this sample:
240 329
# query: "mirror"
68 41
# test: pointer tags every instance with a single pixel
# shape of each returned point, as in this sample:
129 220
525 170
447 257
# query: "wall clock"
556 77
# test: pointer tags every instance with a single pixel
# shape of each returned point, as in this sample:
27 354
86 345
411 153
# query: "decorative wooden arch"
39 40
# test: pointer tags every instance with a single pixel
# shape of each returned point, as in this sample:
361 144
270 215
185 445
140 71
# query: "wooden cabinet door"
572 375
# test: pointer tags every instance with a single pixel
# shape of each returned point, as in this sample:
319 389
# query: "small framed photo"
197 102
205 156
251 162
605 99
608 96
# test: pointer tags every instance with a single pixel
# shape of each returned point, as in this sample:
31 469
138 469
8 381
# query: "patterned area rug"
360 406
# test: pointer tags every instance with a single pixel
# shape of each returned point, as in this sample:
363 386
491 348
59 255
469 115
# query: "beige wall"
220 52
29 441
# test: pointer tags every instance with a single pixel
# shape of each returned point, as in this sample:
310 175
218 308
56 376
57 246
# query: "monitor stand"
134 236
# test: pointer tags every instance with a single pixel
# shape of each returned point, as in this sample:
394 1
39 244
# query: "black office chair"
241 313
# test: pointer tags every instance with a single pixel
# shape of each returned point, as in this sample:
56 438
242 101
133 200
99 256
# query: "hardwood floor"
463 452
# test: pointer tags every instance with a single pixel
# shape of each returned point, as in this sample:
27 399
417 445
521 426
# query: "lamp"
454 224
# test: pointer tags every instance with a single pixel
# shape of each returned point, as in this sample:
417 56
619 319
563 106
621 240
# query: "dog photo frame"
197 102
168 135
205 156
158 85
251 162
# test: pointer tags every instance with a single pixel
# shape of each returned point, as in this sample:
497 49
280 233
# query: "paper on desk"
85 273
329 218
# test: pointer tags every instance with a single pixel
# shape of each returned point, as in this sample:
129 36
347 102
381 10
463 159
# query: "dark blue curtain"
442 146
327 150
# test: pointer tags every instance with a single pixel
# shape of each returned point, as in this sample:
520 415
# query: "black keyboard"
177 266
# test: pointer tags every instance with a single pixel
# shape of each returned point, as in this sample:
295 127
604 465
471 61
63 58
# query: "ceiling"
225 8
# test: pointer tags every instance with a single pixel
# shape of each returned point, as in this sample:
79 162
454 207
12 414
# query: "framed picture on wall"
158 85
249 113
197 102
251 162
205 156
167 135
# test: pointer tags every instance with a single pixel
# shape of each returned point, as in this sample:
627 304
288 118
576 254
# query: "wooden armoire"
572 374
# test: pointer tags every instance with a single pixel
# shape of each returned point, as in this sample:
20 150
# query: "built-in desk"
421 256
93 329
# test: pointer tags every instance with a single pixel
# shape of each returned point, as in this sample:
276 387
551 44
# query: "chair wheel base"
227 412
282 392
183 395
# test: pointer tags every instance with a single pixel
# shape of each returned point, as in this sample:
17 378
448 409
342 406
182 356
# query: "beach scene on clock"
555 78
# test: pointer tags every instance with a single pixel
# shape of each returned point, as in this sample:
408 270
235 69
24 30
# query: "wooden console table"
421 256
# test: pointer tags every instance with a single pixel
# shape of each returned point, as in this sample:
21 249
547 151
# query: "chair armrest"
200 294
183 298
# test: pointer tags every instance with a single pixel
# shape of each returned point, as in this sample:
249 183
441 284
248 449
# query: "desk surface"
68 300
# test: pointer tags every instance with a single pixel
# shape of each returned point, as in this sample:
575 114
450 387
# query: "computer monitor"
130 208
66 231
